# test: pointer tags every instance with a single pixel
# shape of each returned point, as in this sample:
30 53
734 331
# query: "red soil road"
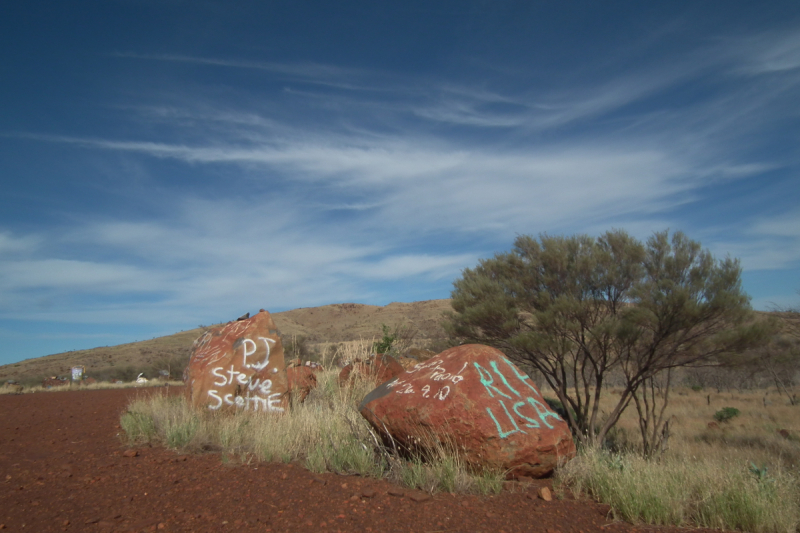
62 468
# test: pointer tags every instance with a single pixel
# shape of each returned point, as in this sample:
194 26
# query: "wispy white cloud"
441 183
309 72
372 191
767 243
779 225
86 276
768 52
10 244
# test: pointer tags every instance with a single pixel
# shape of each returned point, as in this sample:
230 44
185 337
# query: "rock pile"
473 399
55 381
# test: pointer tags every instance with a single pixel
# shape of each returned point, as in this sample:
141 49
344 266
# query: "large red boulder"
239 365
473 399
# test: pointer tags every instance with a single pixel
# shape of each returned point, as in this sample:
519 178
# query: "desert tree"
779 359
578 309
169 366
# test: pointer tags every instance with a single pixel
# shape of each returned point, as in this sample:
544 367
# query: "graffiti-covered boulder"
239 365
473 399
379 368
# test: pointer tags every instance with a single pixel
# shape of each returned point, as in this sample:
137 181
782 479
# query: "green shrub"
138 426
725 414
385 344
556 405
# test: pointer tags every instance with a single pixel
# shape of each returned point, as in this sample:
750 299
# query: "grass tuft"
326 433
678 490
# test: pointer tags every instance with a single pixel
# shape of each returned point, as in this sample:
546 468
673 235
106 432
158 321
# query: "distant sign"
77 373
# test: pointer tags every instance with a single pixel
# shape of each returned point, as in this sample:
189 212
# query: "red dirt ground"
62 468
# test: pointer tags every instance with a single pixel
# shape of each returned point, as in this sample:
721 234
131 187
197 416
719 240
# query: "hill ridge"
327 323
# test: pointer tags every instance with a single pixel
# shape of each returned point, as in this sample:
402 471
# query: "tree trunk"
651 400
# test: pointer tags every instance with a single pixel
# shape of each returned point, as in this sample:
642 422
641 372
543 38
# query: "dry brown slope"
103 359
328 323
345 322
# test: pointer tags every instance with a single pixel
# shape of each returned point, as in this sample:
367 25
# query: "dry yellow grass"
93 386
741 474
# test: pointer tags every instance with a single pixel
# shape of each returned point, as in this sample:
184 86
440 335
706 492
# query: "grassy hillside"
325 324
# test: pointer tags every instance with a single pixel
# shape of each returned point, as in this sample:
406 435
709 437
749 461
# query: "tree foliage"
578 309
779 359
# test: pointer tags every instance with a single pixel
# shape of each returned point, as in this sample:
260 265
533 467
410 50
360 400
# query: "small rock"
284 476
130 453
65 523
301 380
490 515
354 498
544 494
368 493
395 492
419 498
162 525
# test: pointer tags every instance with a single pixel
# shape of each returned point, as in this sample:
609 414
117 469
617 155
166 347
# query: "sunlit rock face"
239 366
473 399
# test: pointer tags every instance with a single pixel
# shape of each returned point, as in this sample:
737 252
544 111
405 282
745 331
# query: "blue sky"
166 164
